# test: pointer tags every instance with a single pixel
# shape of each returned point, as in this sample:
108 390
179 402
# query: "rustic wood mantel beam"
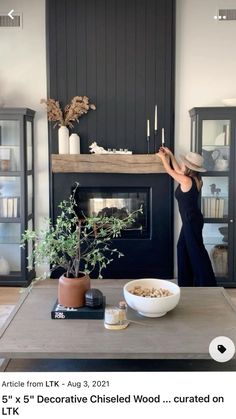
104 163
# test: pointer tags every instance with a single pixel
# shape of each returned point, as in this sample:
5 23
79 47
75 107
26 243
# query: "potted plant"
78 245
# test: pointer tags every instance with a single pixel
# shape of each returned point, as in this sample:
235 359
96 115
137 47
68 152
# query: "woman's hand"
166 151
163 155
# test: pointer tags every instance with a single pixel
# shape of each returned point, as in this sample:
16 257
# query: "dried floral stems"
54 111
78 106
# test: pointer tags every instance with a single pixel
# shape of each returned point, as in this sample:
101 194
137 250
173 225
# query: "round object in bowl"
148 306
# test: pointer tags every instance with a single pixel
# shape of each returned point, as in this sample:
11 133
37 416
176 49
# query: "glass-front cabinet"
213 136
16 194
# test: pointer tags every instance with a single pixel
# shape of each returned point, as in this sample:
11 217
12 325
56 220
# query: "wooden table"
183 333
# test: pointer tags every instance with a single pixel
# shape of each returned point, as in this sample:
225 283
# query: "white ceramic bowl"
152 307
229 102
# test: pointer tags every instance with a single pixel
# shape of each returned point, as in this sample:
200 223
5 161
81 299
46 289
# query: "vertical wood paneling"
121 111
61 52
91 51
140 68
169 74
150 67
120 53
52 67
81 66
101 98
111 69
130 75
80 51
70 50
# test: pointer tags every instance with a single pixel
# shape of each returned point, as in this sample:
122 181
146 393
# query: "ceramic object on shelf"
63 140
4 266
148 306
221 165
74 144
219 257
224 232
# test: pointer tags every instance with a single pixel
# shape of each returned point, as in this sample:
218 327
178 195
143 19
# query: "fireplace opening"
117 202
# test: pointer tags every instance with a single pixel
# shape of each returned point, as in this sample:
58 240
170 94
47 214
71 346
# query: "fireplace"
117 202
147 244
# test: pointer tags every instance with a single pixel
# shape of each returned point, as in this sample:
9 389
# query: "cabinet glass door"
9 146
216 144
215 192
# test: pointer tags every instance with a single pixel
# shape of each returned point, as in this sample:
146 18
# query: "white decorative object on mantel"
96 149
4 266
74 144
63 140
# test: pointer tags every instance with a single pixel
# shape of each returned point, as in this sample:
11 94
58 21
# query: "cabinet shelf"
215 220
217 173
10 173
10 219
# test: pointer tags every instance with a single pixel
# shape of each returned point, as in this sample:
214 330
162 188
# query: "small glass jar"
115 317
122 312
112 315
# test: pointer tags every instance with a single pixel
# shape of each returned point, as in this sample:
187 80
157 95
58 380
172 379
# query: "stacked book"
212 207
9 207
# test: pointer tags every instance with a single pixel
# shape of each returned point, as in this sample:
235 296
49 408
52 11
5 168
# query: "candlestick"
148 128
155 141
148 144
163 137
155 121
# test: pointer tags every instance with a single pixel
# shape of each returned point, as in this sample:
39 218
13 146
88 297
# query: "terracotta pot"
71 291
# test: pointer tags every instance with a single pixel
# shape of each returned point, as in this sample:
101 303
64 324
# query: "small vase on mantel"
63 140
74 144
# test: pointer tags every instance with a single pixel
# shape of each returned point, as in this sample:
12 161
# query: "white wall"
23 82
205 64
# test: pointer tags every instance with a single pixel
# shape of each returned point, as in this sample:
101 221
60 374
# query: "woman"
194 265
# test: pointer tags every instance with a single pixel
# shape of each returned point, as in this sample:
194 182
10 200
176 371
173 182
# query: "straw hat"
193 161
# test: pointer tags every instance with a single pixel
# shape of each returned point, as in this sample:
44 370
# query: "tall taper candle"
155 120
148 128
163 137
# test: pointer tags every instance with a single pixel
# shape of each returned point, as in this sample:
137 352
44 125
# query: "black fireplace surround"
148 251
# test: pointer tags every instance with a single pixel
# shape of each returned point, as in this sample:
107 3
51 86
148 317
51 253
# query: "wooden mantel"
107 163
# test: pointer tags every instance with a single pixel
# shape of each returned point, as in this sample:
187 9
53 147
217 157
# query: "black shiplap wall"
120 53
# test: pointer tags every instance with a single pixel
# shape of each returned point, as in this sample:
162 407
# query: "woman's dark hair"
192 173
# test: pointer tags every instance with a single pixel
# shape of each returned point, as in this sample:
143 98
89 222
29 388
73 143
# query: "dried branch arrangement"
78 106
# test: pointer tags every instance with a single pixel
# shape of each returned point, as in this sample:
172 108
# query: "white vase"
4 266
74 144
63 140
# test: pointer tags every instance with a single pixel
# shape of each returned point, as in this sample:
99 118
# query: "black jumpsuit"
194 265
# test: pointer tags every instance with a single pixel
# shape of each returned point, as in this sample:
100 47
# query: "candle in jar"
163 136
148 128
112 315
155 120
